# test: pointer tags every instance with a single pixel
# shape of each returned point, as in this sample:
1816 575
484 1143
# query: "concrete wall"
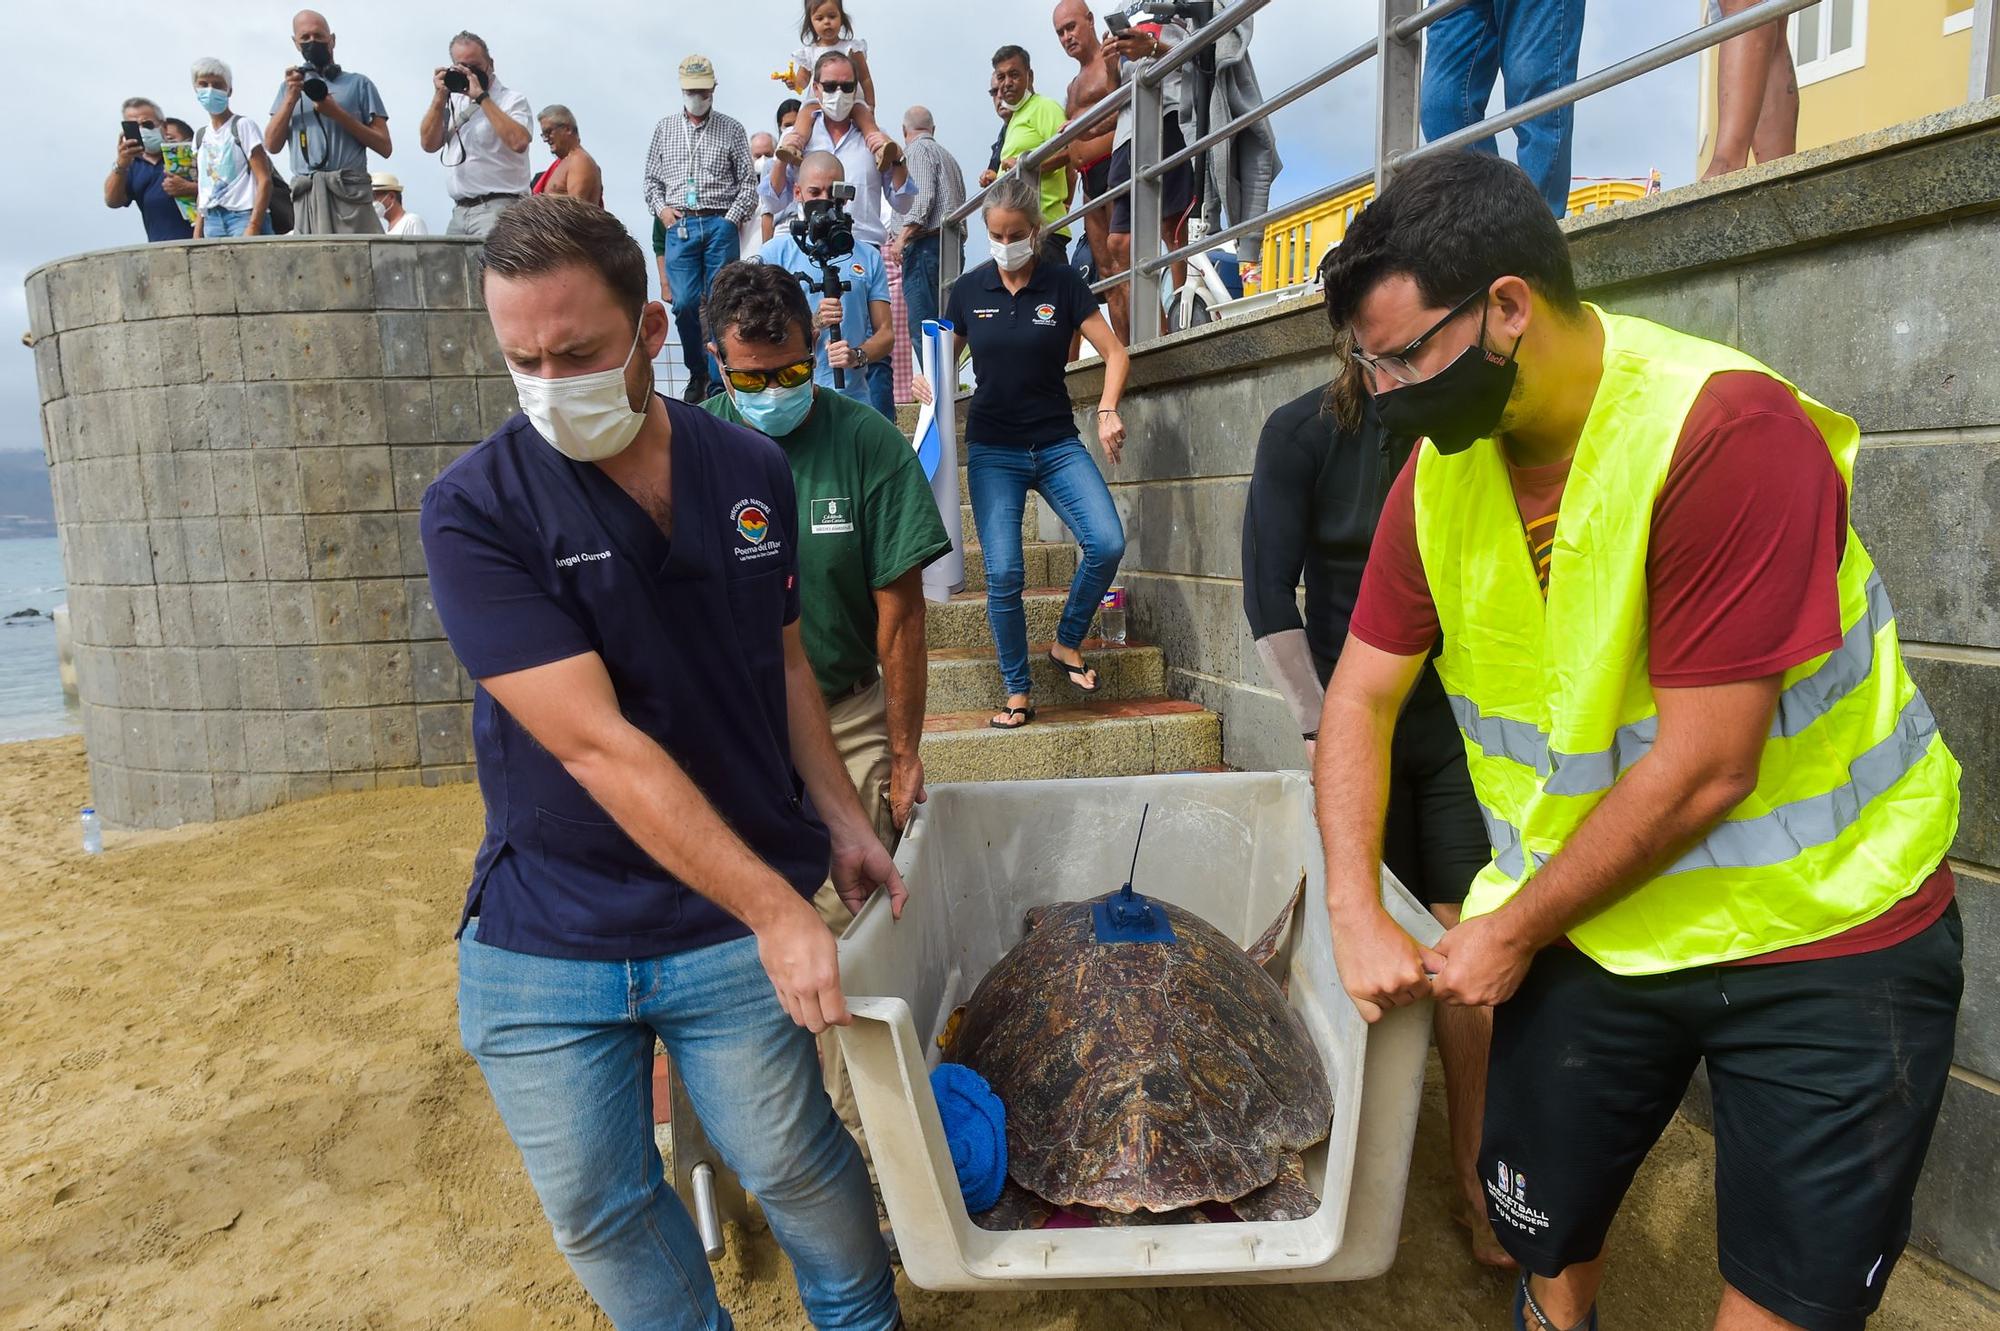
1863 271
239 433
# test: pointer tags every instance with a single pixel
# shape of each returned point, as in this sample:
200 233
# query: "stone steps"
964 679
961 621
1043 564
1031 527
1100 738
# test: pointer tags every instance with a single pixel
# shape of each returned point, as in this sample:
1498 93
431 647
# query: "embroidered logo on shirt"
582 557
860 270
1045 315
752 518
832 517
984 314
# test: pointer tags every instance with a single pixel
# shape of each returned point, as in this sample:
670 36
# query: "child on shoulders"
824 30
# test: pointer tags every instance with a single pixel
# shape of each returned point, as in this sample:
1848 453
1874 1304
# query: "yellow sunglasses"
756 381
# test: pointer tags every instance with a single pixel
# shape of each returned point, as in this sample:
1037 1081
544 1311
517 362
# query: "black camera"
1194 13
825 234
455 80
823 229
311 84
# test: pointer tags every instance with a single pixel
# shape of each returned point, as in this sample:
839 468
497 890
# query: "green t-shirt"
1034 122
866 517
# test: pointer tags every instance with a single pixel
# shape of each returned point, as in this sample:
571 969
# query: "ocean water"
31 696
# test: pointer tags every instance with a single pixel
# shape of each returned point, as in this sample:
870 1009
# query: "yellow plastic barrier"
1294 246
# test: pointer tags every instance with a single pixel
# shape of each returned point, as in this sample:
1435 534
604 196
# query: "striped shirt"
939 181
713 155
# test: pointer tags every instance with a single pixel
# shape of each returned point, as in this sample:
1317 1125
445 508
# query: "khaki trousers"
861 734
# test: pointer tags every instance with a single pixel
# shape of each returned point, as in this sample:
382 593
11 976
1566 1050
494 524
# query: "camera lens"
455 80
314 88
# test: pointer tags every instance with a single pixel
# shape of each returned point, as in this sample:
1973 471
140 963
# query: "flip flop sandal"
1075 673
1026 714
1528 1315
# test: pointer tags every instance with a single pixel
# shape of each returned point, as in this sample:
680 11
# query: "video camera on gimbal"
825 233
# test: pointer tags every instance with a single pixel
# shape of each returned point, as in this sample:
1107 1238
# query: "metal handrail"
1666 53
1155 71
1424 17
1398 44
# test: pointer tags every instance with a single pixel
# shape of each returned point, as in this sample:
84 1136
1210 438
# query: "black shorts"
1176 187
1096 178
1827 1077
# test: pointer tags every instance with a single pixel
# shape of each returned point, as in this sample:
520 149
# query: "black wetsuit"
1316 493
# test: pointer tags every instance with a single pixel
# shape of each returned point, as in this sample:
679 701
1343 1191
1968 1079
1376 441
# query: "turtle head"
1034 919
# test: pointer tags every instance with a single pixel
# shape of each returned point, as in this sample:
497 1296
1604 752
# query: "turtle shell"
1146 1076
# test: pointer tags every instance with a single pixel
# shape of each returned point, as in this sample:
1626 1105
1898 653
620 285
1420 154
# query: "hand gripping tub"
1230 847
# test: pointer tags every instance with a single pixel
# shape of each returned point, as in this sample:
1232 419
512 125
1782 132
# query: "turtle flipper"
1273 948
1285 1197
1017 1209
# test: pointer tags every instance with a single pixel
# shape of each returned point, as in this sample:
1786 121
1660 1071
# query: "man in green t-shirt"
1032 120
867 526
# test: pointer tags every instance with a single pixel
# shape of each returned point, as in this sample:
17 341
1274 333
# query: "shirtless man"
575 171
1096 79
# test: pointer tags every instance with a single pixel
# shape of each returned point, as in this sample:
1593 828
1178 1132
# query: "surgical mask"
1011 255
149 139
317 54
697 103
382 212
774 411
587 417
1008 108
1460 404
838 105
213 100
762 166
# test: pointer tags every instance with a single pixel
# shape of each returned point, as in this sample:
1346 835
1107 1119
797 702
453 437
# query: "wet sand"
233 1097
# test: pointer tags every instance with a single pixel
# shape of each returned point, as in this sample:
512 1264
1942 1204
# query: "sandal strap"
1542 1322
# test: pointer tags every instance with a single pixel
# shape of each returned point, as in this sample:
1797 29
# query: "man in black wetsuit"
1323 469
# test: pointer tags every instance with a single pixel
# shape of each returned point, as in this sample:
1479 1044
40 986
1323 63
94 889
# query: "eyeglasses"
838 85
1397 365
756 381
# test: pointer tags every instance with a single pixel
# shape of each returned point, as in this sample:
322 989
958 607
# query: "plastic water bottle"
1112 616
93 833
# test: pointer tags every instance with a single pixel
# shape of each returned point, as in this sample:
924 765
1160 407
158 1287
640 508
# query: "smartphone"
130 129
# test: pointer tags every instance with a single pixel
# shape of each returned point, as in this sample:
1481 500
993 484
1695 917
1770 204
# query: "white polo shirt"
490 166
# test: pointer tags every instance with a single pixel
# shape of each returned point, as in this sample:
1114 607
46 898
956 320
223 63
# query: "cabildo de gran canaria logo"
752 518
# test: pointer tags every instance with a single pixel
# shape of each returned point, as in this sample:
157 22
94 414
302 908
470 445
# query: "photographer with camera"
822 247
332 118
481 128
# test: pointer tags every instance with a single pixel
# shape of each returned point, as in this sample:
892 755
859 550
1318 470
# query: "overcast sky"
613 65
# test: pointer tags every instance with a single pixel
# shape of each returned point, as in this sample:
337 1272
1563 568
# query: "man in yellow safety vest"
1718 806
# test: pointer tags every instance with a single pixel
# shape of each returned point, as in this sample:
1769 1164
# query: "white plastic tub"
1230 847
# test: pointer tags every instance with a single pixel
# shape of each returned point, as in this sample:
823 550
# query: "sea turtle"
1145 1078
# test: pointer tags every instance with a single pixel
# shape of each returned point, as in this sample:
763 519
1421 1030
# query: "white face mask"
697 103
1012 255
382 211
762 166
1008 108
587 417
838 105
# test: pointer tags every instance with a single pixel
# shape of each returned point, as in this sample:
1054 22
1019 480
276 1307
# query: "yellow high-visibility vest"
1857 796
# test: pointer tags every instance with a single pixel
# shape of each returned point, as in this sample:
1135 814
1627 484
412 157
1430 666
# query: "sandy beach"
234 1097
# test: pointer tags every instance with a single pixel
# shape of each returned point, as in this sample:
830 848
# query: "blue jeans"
692 264
920 282
219 223
567 1051
874 387
1533 43
1000 476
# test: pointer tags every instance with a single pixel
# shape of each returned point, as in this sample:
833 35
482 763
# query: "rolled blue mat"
975 1127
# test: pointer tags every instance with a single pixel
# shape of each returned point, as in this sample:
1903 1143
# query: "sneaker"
697 391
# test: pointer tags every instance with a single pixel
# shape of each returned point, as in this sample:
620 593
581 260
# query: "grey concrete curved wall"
239 433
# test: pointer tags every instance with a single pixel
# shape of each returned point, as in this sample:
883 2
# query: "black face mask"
1457 406
317 54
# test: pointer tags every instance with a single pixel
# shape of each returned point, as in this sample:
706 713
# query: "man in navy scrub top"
619 572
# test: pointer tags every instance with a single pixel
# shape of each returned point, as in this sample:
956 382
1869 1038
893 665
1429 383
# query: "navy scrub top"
534 558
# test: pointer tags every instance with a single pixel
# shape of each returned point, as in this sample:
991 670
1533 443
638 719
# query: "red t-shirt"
1741 573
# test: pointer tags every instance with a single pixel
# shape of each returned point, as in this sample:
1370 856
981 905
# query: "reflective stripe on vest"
1856 797
1799 706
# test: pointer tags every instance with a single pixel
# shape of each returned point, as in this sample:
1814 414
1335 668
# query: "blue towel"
975 1127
